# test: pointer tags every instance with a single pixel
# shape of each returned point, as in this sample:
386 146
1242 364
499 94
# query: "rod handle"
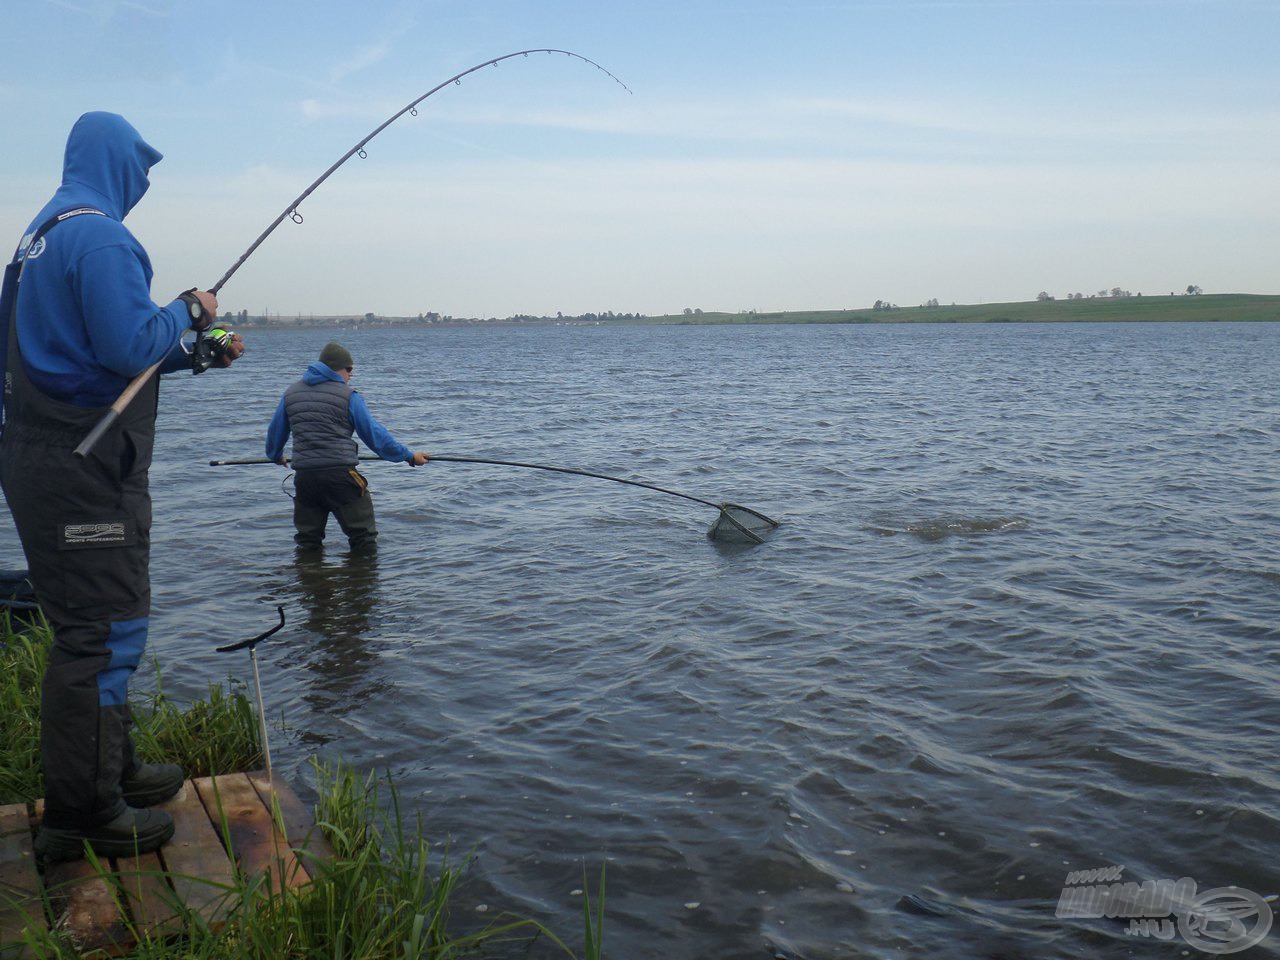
113 412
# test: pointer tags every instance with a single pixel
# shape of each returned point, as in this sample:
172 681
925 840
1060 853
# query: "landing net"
738 524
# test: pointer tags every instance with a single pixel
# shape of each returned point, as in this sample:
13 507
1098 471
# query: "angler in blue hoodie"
322 410
79 323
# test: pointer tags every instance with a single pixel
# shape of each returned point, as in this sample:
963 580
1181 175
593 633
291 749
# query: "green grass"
593 923
22 660
384 894
206 736
1178 308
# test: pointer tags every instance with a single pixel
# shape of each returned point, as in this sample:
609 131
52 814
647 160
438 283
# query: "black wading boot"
145 784
133 832
152 783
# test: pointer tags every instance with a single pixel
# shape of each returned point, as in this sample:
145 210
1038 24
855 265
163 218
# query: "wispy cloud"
898 5
363 58
143 8
1089 122
803 125
74 7
104 10
372 52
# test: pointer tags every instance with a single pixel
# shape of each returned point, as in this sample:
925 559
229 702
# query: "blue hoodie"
86 322
375 436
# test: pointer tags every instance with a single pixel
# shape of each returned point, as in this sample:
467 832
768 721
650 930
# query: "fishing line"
291 212
734 523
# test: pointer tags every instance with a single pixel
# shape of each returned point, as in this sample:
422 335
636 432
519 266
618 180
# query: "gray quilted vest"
320 420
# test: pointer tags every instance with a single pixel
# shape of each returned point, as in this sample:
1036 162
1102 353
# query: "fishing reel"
210 348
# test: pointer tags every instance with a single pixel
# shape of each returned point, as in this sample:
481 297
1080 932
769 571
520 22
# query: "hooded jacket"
375 436
86 323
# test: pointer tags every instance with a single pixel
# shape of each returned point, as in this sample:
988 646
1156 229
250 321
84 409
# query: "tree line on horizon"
1116 292
244 318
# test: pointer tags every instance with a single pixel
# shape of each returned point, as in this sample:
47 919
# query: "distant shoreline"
1179 308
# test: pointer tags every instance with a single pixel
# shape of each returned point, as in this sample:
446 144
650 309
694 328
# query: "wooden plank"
187 875
304 837
193 872
256 845
84 905
150 898
199 866
20 904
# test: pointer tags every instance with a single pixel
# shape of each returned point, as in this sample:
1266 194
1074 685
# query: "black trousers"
86 532
340 491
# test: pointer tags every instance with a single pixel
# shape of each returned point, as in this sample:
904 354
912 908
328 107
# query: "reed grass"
383 893
593 922
23 655
205 736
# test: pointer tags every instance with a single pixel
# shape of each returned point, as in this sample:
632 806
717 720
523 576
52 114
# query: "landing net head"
738 524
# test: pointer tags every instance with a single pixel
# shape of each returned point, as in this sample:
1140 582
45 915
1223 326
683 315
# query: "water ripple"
1021 618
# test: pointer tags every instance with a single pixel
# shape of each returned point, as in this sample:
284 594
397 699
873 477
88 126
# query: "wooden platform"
219 823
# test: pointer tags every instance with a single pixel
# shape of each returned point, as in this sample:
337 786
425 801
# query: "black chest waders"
324 458
85 527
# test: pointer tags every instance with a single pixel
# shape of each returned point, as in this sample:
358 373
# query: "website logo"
1218 921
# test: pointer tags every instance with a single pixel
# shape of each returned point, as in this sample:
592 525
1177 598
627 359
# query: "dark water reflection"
336 600
1020 619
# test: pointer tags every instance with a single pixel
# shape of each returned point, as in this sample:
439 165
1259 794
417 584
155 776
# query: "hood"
107 155
319 372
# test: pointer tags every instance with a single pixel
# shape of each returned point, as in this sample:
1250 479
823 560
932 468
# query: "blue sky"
770 156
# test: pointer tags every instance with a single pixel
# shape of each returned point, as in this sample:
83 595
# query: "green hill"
1205 308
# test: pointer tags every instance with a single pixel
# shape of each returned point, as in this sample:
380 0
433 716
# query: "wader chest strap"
9 292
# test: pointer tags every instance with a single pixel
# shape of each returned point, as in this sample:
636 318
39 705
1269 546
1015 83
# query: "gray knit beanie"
335 356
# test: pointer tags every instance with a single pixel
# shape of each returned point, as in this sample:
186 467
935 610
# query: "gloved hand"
202 308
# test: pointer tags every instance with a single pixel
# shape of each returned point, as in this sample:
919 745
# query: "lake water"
1021 618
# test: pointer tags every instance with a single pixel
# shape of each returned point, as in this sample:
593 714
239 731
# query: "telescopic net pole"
734 523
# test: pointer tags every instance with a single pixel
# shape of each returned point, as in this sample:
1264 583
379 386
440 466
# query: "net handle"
724 508
580 473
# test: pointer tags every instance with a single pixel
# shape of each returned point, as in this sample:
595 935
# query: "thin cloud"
896 5
365 57
73 7
133 5
105 10
373 52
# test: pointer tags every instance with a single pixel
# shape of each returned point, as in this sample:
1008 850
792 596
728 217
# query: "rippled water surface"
1020 619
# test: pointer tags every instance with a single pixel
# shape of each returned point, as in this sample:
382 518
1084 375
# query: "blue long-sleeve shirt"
374 435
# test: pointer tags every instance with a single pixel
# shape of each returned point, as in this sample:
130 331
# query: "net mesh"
737 524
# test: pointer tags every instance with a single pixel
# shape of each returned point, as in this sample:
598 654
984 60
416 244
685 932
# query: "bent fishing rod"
118 407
